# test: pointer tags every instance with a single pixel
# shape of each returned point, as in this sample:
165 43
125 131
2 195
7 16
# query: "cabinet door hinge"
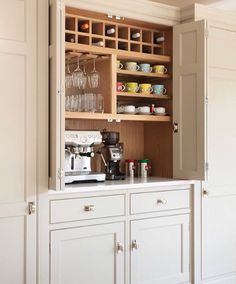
206 33
206 100
49 247
60 5
60 173
207 166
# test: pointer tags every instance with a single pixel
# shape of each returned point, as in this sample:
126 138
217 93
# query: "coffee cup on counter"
160 69
159 89
132 66
145 67
120 87
145 88
131 87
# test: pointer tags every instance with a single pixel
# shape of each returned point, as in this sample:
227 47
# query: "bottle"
84 27
135 35
98 43
159 39
110 31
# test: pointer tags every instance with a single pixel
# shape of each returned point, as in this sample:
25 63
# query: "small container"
130 167
143 168
152 108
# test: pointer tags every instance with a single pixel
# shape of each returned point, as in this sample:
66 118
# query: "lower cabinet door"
88 255
160 250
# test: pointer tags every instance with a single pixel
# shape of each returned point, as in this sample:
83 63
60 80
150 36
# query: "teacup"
159 89
132 66
119 65
145 67
132 87
129 108
145 88
159 69
143 109
159 110
120 87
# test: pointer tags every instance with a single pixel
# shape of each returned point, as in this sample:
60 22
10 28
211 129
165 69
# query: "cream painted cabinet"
160 250
18 126
219 202
91 254
204 108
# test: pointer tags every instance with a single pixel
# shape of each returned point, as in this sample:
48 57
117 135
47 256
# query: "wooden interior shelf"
116 117
143 74
121 54
145 96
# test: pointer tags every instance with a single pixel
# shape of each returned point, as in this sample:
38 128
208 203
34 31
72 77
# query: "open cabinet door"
57 94
189 49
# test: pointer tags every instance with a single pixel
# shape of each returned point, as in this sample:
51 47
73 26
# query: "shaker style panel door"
56 94
86 255
219 206
160 250
189 100
18 81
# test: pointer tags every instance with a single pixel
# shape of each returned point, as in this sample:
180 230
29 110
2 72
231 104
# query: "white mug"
144 109
160 110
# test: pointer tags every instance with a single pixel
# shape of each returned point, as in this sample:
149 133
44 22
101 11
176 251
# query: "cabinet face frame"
189 100
57 94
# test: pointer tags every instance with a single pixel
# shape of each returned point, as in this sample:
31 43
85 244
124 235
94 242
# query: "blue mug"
145 67
159 89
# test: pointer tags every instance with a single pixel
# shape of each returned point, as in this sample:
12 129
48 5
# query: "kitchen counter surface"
128 183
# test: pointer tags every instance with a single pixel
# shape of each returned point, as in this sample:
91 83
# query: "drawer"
159 201
86 208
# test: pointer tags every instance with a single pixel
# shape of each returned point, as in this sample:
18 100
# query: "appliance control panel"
115 153
83 138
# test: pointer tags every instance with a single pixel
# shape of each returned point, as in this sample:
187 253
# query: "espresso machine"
78 154
112 153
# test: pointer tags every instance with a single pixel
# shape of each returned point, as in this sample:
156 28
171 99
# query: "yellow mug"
131 87
145 88
119 65
159 69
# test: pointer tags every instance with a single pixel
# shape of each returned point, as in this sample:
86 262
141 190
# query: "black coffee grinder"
112 153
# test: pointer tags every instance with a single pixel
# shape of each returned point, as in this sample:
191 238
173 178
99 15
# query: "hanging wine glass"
84 79
94 77
68 77
77 76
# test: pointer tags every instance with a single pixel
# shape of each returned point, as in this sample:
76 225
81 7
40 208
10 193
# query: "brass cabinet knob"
205 193
89 208
161 201
119 248
134 245
31 208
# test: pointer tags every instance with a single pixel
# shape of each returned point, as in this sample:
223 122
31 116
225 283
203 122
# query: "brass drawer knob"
119 248
89 208
161 201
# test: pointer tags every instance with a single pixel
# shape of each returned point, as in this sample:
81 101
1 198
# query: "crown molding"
143 10
198 12
213 15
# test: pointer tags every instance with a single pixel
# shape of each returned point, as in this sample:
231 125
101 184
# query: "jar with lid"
130 167
144 168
